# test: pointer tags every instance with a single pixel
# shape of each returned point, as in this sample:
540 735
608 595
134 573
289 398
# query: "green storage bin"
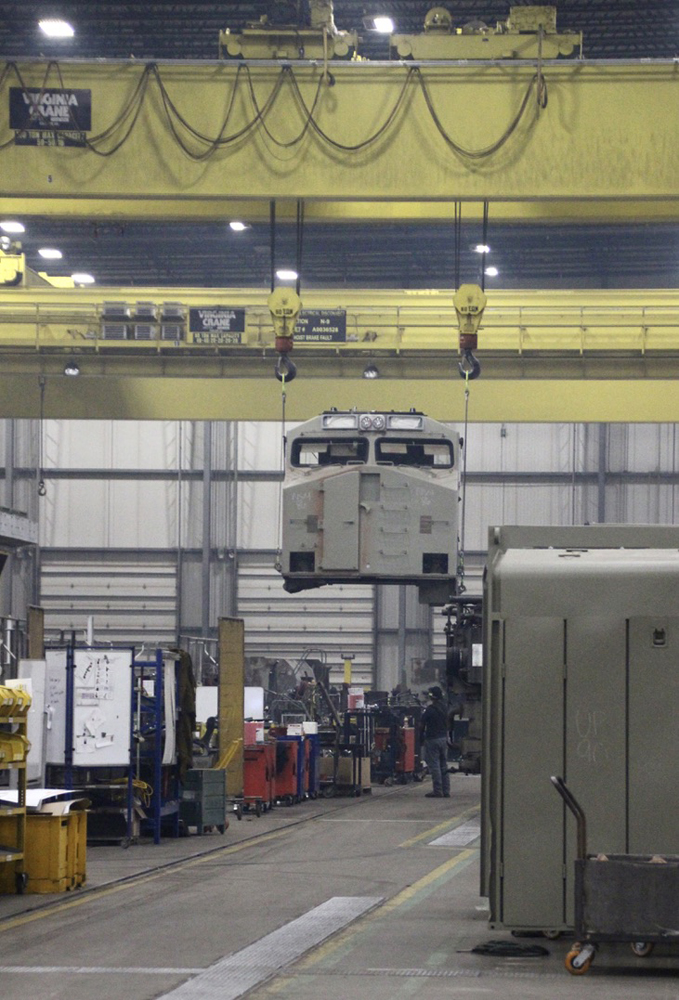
203 799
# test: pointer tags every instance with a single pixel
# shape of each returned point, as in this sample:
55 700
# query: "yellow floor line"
449 824
94 894
400 899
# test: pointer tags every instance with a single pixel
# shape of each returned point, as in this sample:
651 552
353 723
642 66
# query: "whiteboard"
102 699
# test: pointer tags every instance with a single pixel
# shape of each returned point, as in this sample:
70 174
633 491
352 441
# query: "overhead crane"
546 355
181 140
398 139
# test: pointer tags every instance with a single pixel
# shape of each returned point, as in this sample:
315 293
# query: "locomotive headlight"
404 422
340 421
379 422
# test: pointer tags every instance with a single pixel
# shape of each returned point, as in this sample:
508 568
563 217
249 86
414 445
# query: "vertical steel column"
179 564
207 528
232 518
601 474
10 461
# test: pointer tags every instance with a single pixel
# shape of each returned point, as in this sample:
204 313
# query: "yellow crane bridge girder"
545 355
190 140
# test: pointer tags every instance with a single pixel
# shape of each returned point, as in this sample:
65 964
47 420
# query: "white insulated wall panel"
259 515
333 619
130 602
260 444
111 444
100 514
518 447
507 504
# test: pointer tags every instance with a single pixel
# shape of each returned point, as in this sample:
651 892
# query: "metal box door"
340 522
532 823
653 735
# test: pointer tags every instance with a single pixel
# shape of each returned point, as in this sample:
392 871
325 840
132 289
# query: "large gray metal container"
581 679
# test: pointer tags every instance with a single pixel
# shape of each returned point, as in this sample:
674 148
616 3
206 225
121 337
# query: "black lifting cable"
42 489
484 243
458 242
272 238
300 243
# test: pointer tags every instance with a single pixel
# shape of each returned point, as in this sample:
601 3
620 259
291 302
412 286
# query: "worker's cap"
435 692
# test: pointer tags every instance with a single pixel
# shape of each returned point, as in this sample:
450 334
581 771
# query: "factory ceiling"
386 255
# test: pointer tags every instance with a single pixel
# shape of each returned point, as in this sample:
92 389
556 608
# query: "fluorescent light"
49 253
492 272
384 25
56 28
80 278
287 275
238 227
482 248
12 227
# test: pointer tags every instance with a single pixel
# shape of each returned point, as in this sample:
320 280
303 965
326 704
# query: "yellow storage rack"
14 746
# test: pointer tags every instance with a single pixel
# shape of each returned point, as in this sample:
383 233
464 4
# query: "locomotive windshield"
310 453
415 452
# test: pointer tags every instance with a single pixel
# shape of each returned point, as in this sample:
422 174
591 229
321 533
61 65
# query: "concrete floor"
154 917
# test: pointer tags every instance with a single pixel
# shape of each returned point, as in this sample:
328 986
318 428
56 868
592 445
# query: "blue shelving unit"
148 736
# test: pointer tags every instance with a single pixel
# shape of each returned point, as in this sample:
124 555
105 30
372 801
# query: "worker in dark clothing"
434 736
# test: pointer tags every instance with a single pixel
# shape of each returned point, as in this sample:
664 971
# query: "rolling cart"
619 897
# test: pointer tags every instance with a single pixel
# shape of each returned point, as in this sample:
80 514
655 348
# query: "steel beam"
535 400
609 133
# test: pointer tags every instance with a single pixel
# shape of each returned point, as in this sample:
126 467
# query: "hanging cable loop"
285 369
470 367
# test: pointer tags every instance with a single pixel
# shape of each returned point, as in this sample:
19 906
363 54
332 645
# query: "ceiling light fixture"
49 253
72 368
482 248
286 274
371 371
492 272
12 227
81 278
55 27
379 22
238 227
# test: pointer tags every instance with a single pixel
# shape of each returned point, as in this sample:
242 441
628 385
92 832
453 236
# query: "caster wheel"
20 882
578 961
642 949
258 809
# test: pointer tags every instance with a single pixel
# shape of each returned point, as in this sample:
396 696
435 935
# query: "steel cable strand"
477 154
222 140
213 143
107 132
137 96
287 71
342 147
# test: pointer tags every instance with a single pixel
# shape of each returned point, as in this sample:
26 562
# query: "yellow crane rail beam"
388 323
546 356
169 139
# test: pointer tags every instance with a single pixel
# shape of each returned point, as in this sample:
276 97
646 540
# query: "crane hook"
285 369
470 367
